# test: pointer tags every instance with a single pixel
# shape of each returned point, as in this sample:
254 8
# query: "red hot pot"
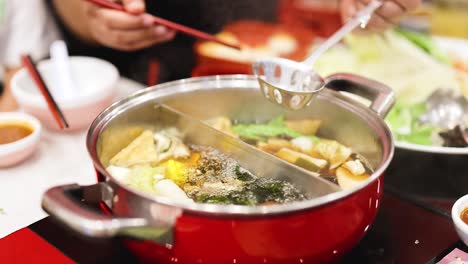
317 230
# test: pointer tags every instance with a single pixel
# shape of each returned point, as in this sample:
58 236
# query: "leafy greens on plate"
411 63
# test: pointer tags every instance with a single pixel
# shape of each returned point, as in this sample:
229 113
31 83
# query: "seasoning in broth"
296 141
220 179
11 132
159 163
464 215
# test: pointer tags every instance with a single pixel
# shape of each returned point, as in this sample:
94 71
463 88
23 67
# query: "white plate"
453 46
431 149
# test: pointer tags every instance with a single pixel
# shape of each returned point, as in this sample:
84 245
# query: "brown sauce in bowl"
11 132
464 215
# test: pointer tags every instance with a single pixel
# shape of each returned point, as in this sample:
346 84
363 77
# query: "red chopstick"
169 24
51 104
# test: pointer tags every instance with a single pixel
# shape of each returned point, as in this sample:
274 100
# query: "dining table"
413 224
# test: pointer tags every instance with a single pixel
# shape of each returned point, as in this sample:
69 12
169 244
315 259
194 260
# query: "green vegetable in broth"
143 178
259 191
160 164
297 141
260 132
277 121
242 174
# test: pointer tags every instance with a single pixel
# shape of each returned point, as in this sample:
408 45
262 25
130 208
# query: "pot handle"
381 96
59 203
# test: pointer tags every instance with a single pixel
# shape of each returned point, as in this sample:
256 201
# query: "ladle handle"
361 18
381 96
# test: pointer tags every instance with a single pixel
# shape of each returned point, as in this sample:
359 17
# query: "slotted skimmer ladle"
293 84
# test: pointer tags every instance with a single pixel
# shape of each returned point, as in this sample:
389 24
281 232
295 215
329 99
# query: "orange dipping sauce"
11 132
464 215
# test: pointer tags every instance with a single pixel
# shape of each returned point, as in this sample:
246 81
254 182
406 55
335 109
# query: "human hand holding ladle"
293 84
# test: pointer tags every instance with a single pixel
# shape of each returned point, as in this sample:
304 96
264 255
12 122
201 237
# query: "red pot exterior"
313 234
317 235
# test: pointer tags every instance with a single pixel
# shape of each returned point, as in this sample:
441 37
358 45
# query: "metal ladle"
445 109
448 110
293 84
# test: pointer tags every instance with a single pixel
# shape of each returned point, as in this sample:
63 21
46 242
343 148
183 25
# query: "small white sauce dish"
460 226
17 151
95 87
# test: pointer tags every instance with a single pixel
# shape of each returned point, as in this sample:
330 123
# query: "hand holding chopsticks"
51 103
169 24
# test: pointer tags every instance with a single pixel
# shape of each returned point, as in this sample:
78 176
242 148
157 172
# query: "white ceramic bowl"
460 226
17 151
96 86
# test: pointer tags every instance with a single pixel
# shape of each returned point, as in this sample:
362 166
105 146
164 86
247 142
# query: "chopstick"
51 104
169 24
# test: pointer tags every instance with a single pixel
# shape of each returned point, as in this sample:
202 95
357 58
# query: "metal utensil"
60 58
445 109
293 84
45 91
449 111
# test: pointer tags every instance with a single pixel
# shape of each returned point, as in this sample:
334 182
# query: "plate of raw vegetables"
416 66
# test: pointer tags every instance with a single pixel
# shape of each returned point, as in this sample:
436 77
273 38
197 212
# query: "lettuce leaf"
261 132
421 135
392 59
403 121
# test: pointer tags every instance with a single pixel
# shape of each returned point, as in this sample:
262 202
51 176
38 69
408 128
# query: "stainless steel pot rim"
226 210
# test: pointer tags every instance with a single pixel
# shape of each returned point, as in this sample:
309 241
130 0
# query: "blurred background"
438 17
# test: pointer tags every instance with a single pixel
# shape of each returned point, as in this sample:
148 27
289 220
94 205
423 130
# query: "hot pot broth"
189 232
158 162
296 141
244 107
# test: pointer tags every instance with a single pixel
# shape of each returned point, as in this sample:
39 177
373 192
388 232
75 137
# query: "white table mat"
60 159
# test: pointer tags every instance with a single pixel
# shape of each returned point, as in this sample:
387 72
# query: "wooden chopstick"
51 103
169 24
